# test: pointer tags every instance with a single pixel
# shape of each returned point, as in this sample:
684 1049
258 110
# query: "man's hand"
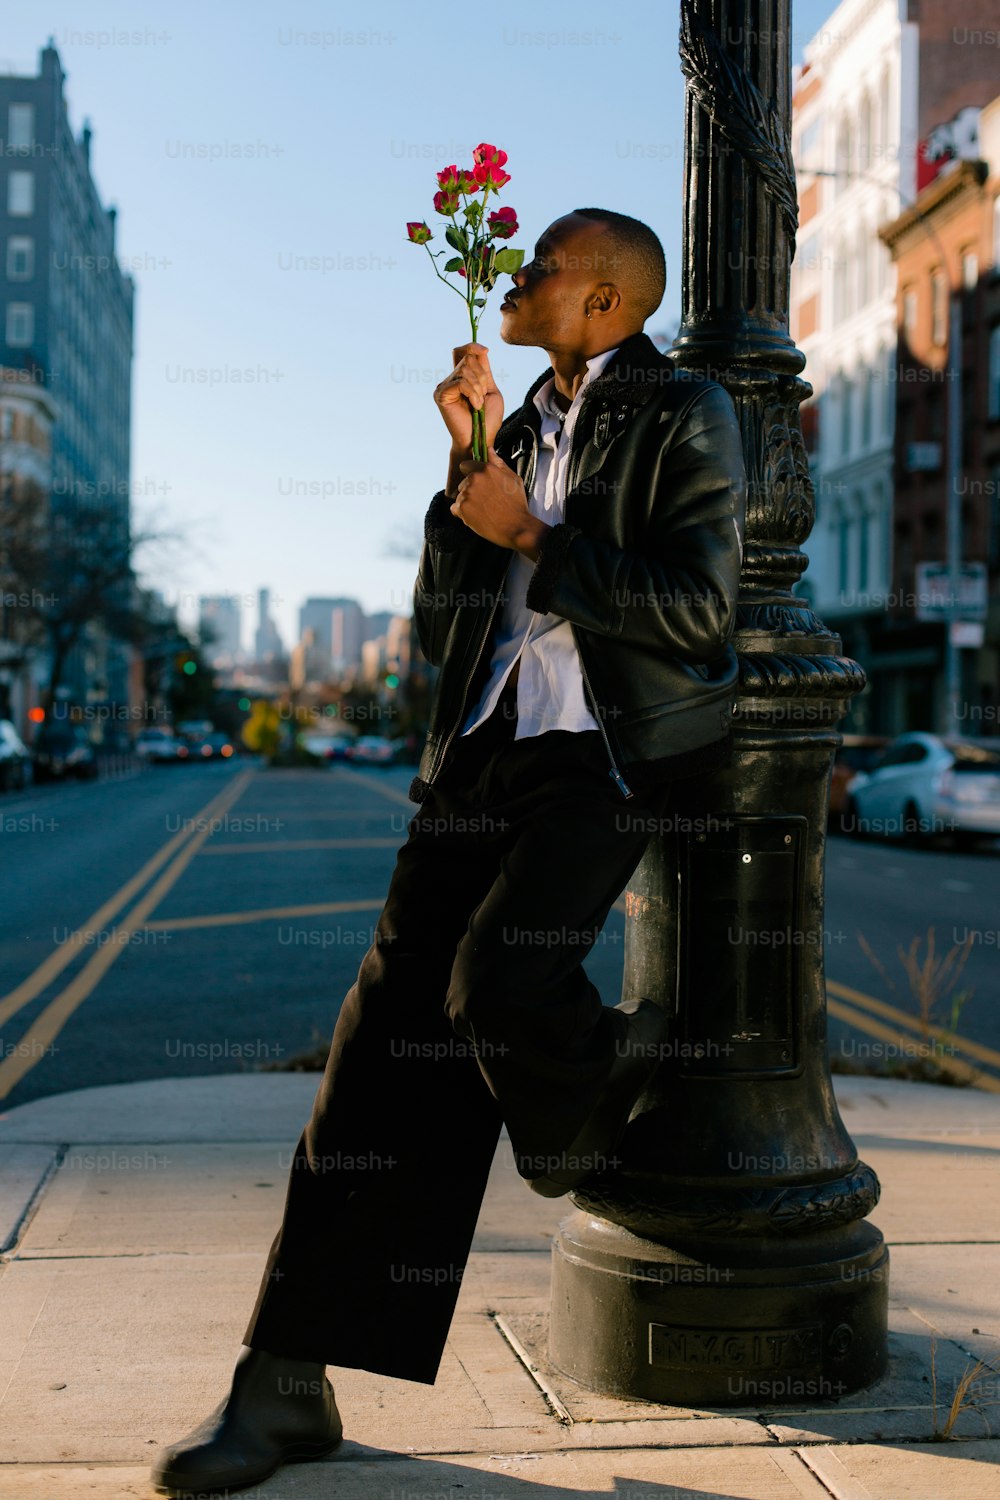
491 500
469 385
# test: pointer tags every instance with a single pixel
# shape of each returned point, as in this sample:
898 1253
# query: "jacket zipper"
614 773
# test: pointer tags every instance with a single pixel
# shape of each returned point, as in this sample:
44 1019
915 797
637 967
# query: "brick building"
877 79
946 246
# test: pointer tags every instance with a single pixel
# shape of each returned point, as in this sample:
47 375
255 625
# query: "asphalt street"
210 918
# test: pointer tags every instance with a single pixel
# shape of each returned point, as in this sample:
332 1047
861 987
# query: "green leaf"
509 260
455 264
479 302
456 237
474 212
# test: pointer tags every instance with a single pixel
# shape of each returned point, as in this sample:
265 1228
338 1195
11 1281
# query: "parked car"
63 750
15 759
859 752
371 750
327 746
159 747
217 746
925 787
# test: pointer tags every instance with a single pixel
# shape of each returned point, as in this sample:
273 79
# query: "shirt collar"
543 401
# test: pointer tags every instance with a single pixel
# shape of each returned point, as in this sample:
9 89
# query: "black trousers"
471 1009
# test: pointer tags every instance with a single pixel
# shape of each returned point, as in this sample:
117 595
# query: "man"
577 593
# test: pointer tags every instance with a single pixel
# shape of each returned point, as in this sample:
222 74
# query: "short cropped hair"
638 258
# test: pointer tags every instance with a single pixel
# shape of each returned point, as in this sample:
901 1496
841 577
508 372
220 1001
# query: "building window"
863 550
845 153
865 135
21 126
843 555
6 423
910 314
20 324
864 256
21 194
810 145
883 116
993 540
866 407
939 308
807 254
840 283
993 396
20 257
846 398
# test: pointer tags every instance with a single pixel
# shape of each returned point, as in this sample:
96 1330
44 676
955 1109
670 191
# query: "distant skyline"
288 338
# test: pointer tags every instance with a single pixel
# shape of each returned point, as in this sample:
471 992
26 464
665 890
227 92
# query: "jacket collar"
632 374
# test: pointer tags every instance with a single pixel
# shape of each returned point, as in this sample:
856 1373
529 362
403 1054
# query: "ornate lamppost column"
727 1260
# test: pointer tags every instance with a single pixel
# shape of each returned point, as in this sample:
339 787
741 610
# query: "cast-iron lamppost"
727 1260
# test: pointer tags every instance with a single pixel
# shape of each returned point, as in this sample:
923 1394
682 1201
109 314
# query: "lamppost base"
734 1324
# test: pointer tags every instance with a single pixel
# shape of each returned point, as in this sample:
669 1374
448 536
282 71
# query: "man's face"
547 305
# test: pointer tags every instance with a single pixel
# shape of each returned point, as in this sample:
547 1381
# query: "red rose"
484 155
448 179
446 203
419 232
503 223
491 174
467 183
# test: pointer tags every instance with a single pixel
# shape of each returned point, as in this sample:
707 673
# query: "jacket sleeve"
444 534
678 594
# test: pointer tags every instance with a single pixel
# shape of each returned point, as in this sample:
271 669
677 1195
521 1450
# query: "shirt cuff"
552 550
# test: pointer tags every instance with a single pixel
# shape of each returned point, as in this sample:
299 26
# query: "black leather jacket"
645 566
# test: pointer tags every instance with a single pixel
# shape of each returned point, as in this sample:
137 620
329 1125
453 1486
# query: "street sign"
934 592
967 633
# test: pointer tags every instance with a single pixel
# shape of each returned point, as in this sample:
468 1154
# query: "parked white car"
159 747
370 750
925 787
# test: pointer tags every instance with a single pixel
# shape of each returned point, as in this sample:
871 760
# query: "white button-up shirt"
550 692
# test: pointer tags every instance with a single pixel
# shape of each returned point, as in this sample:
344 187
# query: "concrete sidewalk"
135 1221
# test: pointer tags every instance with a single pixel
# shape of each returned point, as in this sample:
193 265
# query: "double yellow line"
870 1015
177 853
871 1018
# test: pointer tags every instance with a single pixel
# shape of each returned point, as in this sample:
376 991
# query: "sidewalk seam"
30 1208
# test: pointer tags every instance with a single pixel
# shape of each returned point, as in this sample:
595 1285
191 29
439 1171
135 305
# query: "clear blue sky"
348 113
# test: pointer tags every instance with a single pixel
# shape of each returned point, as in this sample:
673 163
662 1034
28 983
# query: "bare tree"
63 572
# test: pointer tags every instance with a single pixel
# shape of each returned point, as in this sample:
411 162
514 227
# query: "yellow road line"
288 846
881 1008
901 1018
78 941
265 914
886 1034
47 1026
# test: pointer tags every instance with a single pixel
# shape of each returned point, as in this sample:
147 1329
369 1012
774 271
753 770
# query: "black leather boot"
279 1411
642 1029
